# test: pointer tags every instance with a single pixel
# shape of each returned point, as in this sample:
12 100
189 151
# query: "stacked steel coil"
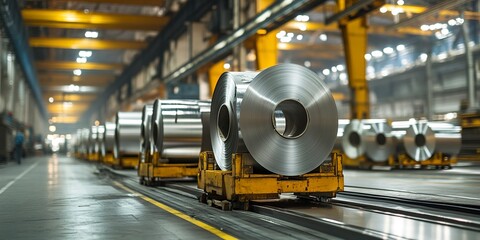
177 129
284 116
108 139
127 133
145 131
378 140
421 139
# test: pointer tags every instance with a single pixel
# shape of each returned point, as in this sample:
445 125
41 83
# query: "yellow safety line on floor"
179 214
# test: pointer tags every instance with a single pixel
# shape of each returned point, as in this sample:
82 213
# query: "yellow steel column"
214 73
354 35
266 44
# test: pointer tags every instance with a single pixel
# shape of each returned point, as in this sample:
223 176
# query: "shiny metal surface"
419 141
146 132
438 137
170 106
92 140
379 142
308 108
127 133
224 116
108 140
178 128
353 142
448 137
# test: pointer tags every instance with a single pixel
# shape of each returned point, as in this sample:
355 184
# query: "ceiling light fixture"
91 34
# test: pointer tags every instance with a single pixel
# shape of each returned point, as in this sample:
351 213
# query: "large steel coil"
92 140
177 129
380 144
145 131
421 139
284 116
224 115
108 140
353 143
448 137
308 108
127 133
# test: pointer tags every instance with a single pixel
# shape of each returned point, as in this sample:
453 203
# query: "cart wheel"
203 198
226 205
246 206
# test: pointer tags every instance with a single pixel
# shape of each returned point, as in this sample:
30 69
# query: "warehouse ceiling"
81 46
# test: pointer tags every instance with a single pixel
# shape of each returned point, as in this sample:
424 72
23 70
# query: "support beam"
354 36
123 2
69 77
57 65
309 47
85 43
81 20
266 44
433 10
69 97
376 30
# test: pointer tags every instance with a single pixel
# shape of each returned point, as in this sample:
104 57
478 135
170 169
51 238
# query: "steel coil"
308 108
92 140
108 140
380 144
421 139
448 137
178 129
353 143
145 131
224 115
127 133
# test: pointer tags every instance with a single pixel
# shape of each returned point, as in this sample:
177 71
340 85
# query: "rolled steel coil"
177 129
92 140
108 140
353 143
308 108
225 112
421 139
247 111
127 133
145 131
380 143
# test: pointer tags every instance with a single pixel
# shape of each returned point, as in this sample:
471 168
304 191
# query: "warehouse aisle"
60 197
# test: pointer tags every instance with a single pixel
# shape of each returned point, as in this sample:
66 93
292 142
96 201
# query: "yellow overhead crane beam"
70 97
81 20
311 47
123 2
69 78
58 65
62 118
380 30
85 43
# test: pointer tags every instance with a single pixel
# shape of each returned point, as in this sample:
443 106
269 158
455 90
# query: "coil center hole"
420 140
223 122
381 139
290 119
354 139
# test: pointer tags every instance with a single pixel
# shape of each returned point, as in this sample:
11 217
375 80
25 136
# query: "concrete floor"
63 198
458 185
